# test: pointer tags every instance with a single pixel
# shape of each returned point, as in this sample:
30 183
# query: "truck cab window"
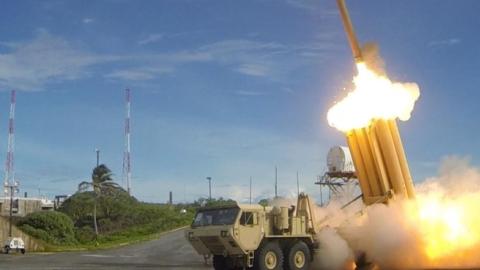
246 218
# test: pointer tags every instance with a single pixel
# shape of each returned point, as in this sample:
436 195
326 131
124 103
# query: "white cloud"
249 93
444 42
303 4
244 56
30 65
138 74
150 39
253 69
88 20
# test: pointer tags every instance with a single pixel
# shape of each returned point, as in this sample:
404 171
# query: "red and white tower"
127 173
9 169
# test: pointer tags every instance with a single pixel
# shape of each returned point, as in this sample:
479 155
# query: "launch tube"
378 160
359 164
391 158
402 158
365 151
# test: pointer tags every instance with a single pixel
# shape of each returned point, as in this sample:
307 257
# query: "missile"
352 39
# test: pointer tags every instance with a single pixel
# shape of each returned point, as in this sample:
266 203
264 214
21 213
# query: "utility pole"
209 188
250 190
276 183
98 156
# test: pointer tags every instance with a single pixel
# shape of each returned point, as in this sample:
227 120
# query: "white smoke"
392 236
333 252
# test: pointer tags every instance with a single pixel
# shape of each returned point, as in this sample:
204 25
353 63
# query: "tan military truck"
245 236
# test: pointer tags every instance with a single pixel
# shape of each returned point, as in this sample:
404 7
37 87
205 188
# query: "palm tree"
102 183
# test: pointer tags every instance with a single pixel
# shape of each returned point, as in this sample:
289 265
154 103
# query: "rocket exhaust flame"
374 97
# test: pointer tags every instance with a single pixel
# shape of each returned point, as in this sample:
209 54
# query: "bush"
84 234
52 227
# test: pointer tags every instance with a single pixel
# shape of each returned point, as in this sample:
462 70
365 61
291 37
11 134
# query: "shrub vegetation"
119 217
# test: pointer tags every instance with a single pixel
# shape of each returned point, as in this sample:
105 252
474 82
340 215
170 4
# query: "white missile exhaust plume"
440 229
333 252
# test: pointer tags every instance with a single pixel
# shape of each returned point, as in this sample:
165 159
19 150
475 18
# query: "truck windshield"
215 217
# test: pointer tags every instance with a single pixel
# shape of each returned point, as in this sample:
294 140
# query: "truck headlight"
224 233
190 236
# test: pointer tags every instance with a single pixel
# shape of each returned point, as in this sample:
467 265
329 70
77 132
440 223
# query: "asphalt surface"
170 251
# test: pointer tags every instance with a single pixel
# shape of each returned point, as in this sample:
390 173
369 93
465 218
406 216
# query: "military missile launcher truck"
245 236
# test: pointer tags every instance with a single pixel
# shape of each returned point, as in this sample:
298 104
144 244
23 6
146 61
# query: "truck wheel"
7 249
219 262
269 257
299 257
23 251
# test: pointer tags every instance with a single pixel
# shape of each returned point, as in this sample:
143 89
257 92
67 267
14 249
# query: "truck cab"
228 232
251 236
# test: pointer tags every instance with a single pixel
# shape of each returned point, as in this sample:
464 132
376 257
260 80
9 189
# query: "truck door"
250 230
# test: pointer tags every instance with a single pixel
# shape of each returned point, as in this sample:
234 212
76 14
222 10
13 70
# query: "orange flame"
450 228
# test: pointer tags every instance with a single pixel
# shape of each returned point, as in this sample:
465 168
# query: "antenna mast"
127 174
9 169
276 182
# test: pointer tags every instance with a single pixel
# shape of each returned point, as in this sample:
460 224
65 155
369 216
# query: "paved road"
171 251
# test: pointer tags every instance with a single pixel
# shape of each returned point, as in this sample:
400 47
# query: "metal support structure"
336 183
9 163
10 184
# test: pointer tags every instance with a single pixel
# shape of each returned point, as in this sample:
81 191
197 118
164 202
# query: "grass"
110 244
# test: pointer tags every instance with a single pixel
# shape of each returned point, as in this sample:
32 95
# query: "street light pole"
98 156
209 188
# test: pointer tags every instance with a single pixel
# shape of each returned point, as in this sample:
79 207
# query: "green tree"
263 202
102 183
214 202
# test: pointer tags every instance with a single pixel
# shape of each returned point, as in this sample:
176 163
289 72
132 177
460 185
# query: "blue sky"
226 89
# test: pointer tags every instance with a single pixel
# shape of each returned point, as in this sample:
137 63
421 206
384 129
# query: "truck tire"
298 256
269 257
219 262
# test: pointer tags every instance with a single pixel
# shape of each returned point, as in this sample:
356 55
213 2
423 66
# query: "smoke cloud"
373 60
440 229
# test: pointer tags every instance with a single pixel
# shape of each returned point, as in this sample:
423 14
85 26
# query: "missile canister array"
380 162
377 150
